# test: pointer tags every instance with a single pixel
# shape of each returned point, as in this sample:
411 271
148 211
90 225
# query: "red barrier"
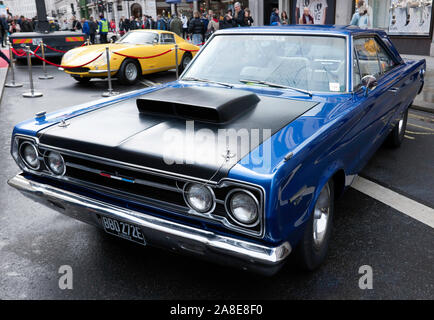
188 50
133 57
54 49
22 53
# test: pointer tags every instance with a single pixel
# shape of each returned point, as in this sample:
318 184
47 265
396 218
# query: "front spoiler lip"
228 250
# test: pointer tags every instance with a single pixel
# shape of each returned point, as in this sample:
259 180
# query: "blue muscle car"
241 159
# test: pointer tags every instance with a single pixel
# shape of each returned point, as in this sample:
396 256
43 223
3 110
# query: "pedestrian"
238 15
85 27
184 26
113 26
228 21
76 25
176 25
360 17
248 20
14 27
25 25
213 26
274 18
93 27
161 23
196 28
103 29
284 18
4 28
306 18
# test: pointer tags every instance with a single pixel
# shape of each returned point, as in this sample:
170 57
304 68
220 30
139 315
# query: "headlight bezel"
23 159
210 190
47 163
232 215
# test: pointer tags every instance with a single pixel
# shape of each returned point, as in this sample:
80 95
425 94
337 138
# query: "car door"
378 106
167 42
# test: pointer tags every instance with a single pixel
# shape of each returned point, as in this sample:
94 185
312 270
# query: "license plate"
36 41
123 230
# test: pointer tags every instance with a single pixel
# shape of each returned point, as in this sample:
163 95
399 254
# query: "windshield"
311 63
139 37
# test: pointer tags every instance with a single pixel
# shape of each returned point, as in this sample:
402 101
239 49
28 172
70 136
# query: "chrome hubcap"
131 71
321 216
186 62
400 124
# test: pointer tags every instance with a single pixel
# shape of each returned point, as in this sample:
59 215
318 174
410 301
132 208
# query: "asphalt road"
35 241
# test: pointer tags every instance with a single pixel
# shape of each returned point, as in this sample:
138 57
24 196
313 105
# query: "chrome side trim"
160 232
100 71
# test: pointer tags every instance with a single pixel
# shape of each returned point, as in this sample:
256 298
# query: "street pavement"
36 241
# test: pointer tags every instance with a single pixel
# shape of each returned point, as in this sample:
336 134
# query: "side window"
167 38
367 52
357 79
386 62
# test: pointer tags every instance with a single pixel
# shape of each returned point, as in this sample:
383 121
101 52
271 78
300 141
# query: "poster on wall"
409 17
313 11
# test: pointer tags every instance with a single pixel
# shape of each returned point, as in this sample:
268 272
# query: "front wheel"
396 136
129 73
312 249
186 59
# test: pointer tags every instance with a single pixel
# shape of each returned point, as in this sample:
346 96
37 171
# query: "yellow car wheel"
130 71
186 59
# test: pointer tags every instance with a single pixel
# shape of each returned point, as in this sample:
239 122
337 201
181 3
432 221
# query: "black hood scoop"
205 104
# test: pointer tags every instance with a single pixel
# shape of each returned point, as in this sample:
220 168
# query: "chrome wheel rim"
187 60
131 71
321 216
400 124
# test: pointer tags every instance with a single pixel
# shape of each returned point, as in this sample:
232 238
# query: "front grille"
161 191
79 70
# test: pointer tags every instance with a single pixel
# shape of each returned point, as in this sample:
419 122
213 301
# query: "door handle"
394 90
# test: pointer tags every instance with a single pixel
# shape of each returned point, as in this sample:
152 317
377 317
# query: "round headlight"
29 154
55 163
199 197
243 207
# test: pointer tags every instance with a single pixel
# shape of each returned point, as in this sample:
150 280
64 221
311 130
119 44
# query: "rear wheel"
82 80
312 249
186 59
129 73
396 136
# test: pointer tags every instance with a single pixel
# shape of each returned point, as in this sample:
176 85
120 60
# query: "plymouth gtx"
137 53
240 160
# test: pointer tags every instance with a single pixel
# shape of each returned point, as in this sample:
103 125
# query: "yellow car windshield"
139 38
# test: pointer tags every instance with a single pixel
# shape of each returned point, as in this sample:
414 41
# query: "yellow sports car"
137 52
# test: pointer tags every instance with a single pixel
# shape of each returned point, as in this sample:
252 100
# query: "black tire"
82 80
310 253
186 58
396 136
129 76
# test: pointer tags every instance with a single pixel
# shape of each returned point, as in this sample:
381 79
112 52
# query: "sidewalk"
425 100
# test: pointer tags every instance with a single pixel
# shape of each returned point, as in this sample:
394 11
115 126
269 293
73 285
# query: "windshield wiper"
207 81
275 85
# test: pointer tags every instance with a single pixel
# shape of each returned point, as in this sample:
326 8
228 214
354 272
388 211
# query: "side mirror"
369 82
155 41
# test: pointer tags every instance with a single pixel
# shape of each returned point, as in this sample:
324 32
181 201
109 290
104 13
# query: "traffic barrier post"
12 84
110 91
176 61
32 93
45 76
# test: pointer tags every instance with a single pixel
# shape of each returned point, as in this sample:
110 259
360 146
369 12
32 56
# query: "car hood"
172 134
81 55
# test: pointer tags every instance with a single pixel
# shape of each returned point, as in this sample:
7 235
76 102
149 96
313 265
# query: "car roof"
151 30
346 30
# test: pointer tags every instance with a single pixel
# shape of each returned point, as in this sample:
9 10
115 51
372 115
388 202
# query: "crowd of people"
198 27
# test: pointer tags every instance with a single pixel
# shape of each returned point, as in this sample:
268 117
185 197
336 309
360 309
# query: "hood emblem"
63 124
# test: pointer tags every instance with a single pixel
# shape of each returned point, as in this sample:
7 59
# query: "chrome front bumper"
159 232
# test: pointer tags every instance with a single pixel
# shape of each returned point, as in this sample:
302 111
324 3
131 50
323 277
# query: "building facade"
27 8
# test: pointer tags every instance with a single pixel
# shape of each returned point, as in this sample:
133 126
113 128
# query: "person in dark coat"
176 25
196 28
93 27
228 21
238 15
